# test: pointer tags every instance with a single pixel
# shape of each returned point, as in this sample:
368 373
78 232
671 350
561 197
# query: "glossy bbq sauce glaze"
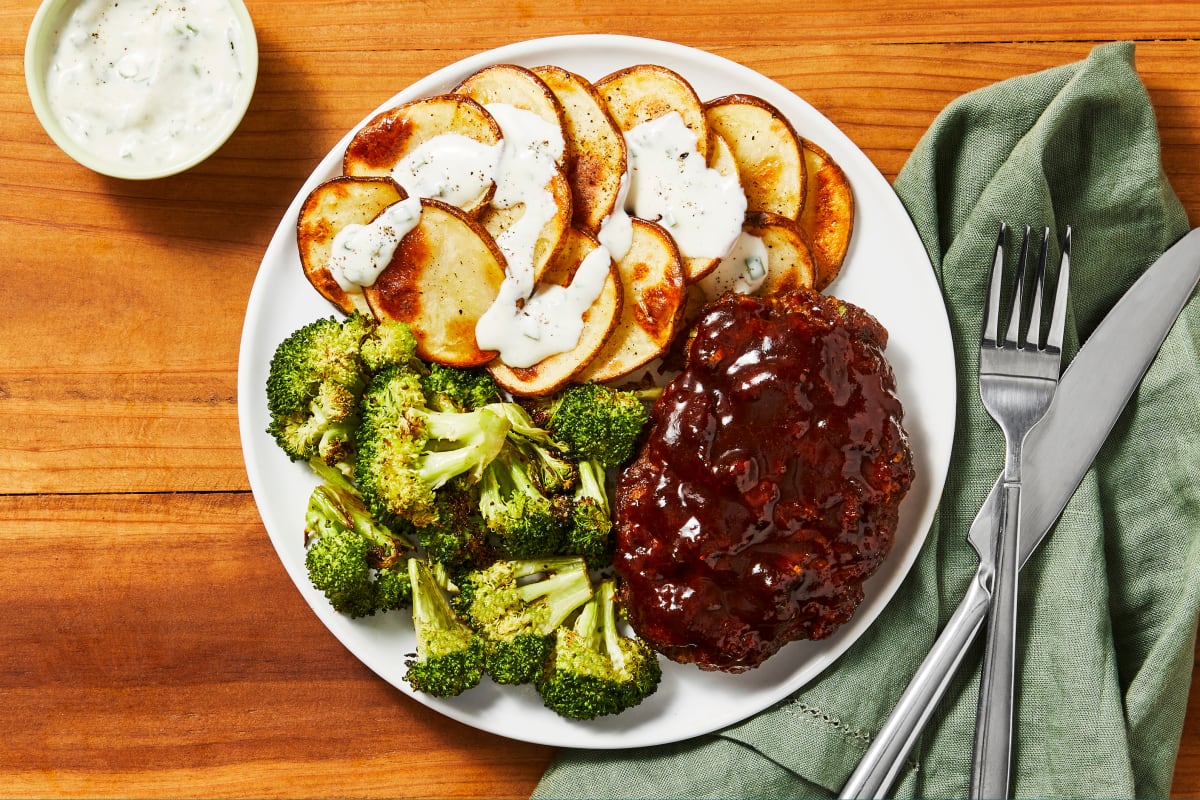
768 487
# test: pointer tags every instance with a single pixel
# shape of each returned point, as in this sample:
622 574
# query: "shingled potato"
328 209
445 274
787 264
448 270
790 262
599 320
647 91
384 141
595 147
828 215
516 86
770 160
497 220
654 293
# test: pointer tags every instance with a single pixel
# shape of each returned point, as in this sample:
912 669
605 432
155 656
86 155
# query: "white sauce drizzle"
528 162
616 230
527 323
360 252
743 270
146 82
702 209
550 321
450 167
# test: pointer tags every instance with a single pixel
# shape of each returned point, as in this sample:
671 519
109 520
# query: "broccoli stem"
564 591
468 441
591 484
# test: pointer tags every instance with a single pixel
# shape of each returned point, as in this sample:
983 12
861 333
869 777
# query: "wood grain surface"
151 644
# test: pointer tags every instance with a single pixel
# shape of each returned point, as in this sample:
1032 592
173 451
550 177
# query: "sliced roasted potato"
828 215
445 274
595 147
647 91
514 86
790 262
769 157
328 209
654 294
545 241
599 320
771 257
380 145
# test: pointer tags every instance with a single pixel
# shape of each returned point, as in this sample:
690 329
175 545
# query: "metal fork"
1017 379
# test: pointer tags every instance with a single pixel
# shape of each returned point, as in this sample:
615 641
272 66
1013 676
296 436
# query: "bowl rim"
41 30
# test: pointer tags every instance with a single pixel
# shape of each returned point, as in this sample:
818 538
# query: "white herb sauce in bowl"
141 88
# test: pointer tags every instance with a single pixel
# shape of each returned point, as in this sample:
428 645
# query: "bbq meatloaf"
769 484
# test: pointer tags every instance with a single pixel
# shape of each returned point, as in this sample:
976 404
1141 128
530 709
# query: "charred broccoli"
313 384
594 670
527 522
517 605
406 451
449 657
454 389
597 422
456 535
316 377
358 563
590 529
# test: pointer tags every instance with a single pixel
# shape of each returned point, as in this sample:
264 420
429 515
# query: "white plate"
887 272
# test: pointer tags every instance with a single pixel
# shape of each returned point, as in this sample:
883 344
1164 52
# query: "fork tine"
991 312
1058 318
1011 338
1033 334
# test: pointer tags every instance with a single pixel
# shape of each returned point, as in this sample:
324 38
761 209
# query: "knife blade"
1092 392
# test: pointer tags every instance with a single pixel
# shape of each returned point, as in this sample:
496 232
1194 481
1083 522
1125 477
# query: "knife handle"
992 760
885 757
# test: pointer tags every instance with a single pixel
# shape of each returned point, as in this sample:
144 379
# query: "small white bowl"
39 50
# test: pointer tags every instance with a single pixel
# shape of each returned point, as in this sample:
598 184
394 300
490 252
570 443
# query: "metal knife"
1093 391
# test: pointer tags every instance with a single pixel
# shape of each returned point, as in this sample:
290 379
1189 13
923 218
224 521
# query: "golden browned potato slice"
770 160
655 292
828 215
328 209
647 91
515 86
790 262
595 147
599 320
549 238
445 274
383 142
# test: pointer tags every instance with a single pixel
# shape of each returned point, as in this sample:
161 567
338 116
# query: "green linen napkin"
1109 603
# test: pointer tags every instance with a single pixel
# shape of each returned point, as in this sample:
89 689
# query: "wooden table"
150 642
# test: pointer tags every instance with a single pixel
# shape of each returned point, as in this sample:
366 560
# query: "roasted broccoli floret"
449 657
590 531
407 451
358 563
316 377
388 343
457 534
594 670
313 384
526 521
517 605
453 389
597 422
549 466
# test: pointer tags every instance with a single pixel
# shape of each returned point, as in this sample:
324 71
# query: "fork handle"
885 757
992 762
